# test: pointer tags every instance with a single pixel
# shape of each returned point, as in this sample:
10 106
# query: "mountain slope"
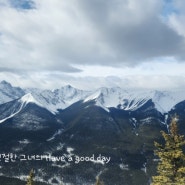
25 113
58 98
126 99
9 93
131 100
12 108
118 124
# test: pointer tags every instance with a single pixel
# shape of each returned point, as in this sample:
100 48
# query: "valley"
72 136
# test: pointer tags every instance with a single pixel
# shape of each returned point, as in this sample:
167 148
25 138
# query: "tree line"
171 157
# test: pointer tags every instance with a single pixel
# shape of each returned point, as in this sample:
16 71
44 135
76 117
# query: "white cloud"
57 34
54 80
176 18
177 23
43 38
94 40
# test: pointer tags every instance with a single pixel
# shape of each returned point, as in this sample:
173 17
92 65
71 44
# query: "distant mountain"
121 124
25 113
58 98
8 92
125 99
131 100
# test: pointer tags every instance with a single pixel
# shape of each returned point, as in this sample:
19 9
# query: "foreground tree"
99 182
30 178
171 167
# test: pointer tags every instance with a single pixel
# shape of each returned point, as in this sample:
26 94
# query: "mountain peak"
28 98
68 87
3 82
127 99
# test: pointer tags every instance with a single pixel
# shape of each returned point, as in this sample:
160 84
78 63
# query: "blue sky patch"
22 4
169 8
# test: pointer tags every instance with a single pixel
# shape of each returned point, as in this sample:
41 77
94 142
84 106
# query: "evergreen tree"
99 182
171 167
30 178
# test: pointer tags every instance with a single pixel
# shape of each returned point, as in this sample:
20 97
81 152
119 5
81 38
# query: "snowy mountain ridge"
104 97
133 99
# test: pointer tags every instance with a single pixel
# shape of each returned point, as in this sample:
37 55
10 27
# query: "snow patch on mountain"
126 99
28 98
166 100
9 93
12 114
58 132
118 98
19 105
58 98
133 99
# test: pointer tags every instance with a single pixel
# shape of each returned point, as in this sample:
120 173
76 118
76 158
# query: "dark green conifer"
171 167
99 182
30 178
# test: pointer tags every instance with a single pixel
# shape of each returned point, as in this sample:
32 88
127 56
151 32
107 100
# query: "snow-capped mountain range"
104 97
120 123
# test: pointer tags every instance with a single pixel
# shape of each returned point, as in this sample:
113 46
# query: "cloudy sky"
93 43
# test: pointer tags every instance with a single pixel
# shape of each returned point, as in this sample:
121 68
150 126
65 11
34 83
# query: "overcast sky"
93 43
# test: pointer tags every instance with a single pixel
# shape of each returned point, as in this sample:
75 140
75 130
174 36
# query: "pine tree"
171 167
99 182
30 178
